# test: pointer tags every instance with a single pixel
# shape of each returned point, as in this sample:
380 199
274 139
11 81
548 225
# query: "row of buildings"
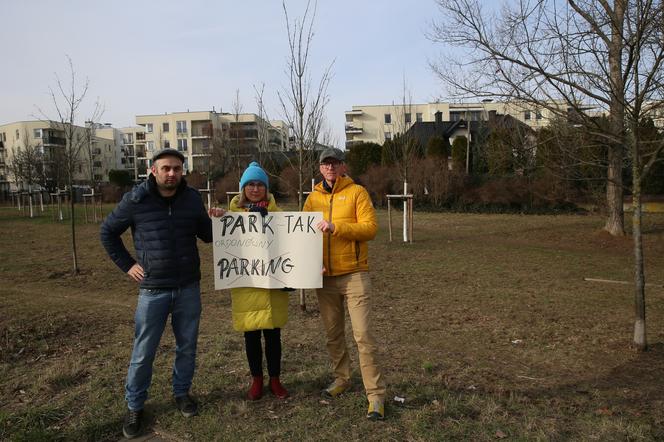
106 148
378 123
197 134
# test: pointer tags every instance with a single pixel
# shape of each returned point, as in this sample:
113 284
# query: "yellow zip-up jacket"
256 308
350 209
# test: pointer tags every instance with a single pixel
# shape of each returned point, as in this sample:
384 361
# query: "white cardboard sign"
282 249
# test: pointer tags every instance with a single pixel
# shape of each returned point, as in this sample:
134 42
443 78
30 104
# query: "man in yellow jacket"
349 222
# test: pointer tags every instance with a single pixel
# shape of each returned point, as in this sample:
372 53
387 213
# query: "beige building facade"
196 135
98 154
377 123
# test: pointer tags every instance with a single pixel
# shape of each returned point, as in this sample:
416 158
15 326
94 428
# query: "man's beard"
169 186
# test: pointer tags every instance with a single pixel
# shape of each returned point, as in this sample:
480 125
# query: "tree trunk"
615 222
640 340
73 229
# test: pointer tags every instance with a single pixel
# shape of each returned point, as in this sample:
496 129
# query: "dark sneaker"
187 406
376 411
132 424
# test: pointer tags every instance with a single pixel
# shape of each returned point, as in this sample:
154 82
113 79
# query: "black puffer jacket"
164 232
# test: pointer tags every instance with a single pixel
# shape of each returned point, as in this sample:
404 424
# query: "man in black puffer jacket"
165 216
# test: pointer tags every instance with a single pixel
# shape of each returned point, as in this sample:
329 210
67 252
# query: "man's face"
168 172
331 169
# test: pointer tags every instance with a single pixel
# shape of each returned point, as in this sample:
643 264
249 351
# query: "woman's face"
255 191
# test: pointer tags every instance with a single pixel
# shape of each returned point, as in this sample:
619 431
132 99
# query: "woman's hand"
217 212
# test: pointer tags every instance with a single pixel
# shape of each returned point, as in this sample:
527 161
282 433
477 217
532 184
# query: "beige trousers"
355 289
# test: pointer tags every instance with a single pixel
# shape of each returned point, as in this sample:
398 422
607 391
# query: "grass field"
487 328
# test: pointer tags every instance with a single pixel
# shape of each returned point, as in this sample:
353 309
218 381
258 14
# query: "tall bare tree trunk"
614 186
73 228
640 341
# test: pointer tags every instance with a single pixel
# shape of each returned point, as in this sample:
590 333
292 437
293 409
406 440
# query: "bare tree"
263 128
236 131
545 53
303 102
67 99
26 164
402 148
567 56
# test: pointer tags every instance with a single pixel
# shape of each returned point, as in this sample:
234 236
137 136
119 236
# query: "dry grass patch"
486 326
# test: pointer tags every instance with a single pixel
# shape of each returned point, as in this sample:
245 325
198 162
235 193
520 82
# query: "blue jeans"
154 306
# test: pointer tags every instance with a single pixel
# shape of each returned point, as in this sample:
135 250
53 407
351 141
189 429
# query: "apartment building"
377 123
133 148
196 133
98 155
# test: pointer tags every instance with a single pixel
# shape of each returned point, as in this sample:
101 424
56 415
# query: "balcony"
203 132
58 141
354 112
353 128
201 129
140 136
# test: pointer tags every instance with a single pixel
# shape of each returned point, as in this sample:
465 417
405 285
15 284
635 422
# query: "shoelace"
133 417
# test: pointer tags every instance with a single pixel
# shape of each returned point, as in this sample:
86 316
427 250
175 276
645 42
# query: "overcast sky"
148 57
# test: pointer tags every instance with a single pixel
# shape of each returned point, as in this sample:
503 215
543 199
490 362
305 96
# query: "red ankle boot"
256 389
277 389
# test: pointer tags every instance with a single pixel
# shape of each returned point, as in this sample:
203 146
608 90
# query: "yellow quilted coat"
350 209
256 308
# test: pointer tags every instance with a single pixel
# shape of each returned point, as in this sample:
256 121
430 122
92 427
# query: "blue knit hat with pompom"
254 172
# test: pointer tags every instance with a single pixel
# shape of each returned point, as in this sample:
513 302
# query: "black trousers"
252 344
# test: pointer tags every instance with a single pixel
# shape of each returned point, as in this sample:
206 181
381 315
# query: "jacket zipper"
172 233
329 240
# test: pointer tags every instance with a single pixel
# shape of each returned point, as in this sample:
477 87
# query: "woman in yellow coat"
257 309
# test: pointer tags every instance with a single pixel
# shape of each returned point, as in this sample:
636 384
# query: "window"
150 145
18 136
165 127
181 127
349 118
128 138
182 144
167 144
526 115
538 114
388 135
407 117
388 118
38 133
418 117
148 128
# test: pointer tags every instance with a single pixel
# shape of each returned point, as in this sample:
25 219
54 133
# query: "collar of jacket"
149 186
341 182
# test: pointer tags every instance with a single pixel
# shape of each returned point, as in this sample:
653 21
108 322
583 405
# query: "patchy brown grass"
486 325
